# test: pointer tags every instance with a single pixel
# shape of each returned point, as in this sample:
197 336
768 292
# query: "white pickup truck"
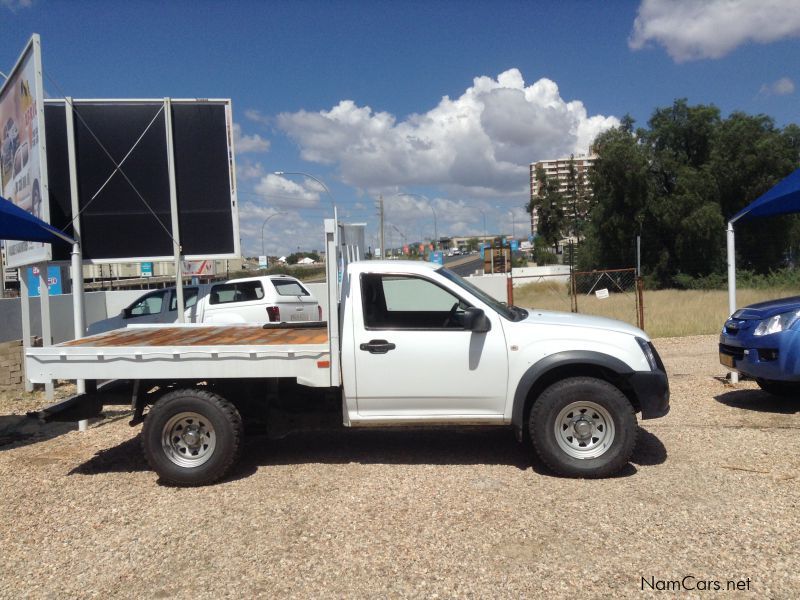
405 344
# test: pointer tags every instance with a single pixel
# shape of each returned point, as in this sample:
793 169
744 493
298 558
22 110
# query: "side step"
74 408
87 405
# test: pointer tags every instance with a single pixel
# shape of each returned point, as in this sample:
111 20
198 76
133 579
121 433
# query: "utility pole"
380 208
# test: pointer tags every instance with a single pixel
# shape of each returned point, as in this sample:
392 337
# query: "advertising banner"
146 269
198 267
54 284
23 164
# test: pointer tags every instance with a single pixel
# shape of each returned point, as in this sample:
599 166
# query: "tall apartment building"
558 168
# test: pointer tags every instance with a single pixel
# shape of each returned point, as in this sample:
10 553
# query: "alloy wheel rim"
188 439
584 429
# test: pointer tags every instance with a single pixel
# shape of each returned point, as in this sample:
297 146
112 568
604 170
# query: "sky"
437 106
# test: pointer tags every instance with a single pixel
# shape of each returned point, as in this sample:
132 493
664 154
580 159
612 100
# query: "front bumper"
773 357
652 391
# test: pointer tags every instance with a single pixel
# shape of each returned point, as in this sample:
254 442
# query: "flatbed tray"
189 351
204 335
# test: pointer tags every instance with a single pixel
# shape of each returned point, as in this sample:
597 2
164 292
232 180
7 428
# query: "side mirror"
125 313
475 320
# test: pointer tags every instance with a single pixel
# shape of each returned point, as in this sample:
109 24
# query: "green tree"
752 155
549 207
621 184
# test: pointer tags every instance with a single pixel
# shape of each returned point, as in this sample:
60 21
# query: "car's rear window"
242 291
287 287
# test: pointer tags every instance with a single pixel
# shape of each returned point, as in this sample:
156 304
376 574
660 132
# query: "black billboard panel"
125 212
203 178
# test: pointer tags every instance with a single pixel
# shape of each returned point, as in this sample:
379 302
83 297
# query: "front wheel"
583 427
192 437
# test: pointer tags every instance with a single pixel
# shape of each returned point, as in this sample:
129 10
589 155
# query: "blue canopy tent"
782 199
18 224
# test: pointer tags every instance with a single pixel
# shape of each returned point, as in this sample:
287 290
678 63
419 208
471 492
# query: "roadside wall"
11 366
548 274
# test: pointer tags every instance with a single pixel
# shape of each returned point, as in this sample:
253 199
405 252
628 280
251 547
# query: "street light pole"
319 181
263 253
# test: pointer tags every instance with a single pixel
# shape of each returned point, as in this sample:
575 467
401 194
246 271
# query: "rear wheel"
192 437
583 427
786 389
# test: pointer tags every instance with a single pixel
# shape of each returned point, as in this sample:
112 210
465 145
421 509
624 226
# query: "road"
463 265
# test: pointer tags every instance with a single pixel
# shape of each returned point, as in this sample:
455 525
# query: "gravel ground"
711 493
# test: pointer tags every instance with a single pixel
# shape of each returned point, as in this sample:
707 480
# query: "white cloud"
782 87
478 144
249 170
692 29
248 143
257 116
284 193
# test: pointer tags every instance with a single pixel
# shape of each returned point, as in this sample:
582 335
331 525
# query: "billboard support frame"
173 205
78 311
47 333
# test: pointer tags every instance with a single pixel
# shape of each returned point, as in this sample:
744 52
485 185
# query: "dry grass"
667 313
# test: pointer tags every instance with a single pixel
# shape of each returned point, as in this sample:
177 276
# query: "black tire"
192 437
596 430
784 389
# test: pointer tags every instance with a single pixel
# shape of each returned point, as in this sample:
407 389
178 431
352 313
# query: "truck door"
414 358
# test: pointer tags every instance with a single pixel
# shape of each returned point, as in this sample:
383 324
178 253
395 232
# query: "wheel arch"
559 366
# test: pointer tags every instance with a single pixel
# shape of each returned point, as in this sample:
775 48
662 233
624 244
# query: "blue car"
762 341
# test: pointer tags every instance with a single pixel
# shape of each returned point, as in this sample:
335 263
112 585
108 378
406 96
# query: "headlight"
776 324
648 354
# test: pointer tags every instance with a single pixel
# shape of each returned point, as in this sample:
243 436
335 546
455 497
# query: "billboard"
125 213
23 168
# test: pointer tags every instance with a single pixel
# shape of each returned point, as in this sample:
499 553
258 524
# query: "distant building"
558 168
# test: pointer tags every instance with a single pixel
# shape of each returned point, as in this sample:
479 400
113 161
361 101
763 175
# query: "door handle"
378 346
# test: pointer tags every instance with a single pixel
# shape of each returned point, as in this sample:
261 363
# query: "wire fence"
613 293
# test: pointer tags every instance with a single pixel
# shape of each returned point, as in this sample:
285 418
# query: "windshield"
512 313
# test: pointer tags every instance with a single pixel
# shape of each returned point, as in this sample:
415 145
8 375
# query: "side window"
149 305
189 298
408 302
242 291
287 287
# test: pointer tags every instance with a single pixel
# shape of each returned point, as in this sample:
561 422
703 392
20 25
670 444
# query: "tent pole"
734 376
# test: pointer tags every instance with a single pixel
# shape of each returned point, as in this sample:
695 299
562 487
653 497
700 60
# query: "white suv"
275 298
272 298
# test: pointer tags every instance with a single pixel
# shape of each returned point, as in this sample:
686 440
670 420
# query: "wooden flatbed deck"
222 335
189 352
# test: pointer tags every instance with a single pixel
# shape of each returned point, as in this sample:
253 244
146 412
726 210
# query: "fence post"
640 301
510 288
573 291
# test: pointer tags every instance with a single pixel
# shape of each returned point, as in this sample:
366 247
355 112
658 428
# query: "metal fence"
613 293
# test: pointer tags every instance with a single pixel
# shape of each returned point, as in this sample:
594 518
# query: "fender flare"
553 361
